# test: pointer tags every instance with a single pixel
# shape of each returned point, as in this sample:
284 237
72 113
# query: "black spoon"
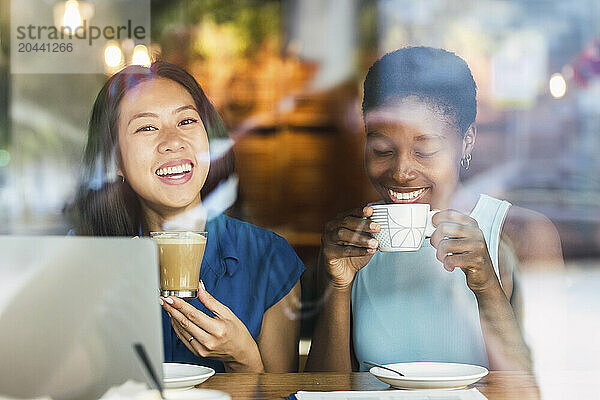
140 350
382 367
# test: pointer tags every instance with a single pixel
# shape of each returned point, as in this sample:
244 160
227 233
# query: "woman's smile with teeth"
406 197
178 169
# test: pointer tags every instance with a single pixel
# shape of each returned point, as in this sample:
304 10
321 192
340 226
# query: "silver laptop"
70 310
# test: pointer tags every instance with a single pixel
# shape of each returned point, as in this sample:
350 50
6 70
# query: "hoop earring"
122 179
465 162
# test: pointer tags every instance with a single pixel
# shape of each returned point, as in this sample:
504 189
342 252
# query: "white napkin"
469 394
131 390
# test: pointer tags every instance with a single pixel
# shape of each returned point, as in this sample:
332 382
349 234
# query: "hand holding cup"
460 244
347 245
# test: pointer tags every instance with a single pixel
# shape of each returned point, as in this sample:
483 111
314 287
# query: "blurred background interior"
286 77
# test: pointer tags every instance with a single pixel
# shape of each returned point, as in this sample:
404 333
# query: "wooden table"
497 385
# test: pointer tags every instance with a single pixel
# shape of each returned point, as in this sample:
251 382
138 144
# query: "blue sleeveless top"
407 307
248 269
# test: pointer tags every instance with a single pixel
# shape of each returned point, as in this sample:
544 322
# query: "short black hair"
432 75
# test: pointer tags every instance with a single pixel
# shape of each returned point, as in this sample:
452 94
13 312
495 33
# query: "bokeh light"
558 86
141 56
72 17
113 55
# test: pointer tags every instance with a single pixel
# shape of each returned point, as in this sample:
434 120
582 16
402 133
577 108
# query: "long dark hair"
104 205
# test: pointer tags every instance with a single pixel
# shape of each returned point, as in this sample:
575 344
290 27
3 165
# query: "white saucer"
430 375
184 376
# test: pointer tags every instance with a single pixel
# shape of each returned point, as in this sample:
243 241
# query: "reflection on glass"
287 75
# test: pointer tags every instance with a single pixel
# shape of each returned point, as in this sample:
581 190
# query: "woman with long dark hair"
146 162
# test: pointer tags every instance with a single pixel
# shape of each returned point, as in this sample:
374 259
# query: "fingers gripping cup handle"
429 228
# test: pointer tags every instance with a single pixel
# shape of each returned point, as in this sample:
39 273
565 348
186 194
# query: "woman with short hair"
456 298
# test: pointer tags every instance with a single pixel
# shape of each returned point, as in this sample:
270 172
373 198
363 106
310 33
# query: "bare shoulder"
534 238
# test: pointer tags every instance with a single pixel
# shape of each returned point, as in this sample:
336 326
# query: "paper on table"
469 394
131 390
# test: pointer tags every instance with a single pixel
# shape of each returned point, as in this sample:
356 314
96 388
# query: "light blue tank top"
407 307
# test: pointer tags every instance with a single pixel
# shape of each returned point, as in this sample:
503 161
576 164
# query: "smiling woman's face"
413 153
163 144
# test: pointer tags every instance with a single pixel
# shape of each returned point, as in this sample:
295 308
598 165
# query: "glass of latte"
180 257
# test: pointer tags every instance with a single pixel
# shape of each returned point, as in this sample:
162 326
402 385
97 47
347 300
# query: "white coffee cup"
404 227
